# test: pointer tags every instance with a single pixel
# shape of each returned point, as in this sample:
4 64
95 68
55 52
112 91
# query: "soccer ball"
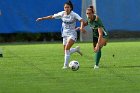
74 65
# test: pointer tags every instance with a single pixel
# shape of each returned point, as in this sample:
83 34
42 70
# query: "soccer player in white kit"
69 33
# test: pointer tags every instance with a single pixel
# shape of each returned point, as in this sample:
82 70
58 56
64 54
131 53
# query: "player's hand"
96 49
39 19
82 30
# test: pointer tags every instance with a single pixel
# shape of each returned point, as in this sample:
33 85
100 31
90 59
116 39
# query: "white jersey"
68 22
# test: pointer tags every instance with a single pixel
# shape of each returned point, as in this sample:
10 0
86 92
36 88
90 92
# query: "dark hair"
70 4
91 8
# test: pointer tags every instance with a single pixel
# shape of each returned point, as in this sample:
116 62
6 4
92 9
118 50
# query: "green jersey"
95 24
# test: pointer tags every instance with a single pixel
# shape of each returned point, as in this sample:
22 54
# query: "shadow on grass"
114 66
130 66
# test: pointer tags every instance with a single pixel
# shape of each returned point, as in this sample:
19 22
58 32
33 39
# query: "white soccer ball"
74 65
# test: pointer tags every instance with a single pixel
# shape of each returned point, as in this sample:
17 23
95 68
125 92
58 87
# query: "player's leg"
103 42
76 49
64 43
97 58
69 44
97 54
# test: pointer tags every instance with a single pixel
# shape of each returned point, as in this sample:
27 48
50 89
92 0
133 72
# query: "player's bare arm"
82 26
98 45
45 18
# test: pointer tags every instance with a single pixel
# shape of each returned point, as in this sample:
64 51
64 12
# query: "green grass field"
36 68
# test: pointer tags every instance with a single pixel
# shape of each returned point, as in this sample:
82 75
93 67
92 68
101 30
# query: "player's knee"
103 42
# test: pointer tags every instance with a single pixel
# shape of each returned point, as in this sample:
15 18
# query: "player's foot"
96 67
65 67
78 50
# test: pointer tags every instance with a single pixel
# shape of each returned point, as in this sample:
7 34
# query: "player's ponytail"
70 4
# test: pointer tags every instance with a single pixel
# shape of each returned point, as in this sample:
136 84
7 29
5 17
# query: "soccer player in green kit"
100 36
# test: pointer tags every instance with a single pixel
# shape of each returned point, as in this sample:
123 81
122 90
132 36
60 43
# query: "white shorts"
66 39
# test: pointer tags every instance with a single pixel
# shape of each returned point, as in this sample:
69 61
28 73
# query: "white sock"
72 50
67 57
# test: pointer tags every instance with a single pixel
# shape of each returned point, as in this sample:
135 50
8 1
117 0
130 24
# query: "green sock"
97 57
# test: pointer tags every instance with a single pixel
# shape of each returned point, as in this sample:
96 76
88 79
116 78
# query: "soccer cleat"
78 50
96 67
65 67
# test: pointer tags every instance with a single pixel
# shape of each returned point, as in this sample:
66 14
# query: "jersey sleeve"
58 15
77 16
